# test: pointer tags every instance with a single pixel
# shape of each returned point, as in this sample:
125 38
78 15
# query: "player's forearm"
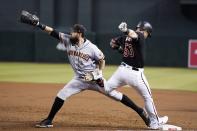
49 30
101 64
33 20
132 33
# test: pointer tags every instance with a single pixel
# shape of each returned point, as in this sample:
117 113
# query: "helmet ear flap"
148 28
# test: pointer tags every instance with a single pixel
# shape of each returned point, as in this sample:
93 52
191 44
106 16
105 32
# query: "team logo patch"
79 54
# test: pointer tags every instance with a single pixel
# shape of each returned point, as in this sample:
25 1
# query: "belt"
133 68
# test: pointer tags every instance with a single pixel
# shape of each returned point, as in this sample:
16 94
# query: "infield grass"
158 77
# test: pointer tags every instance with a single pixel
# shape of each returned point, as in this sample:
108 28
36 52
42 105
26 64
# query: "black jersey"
132 49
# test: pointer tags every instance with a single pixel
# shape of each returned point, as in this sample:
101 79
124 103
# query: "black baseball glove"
29 18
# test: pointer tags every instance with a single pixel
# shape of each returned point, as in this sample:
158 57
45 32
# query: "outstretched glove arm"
33 20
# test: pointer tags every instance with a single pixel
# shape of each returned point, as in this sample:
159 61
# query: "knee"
63 95
108 88
148 98
116 95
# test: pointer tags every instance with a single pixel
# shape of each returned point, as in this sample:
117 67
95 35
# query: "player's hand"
93 76
97 74
123 27
100 82
88 76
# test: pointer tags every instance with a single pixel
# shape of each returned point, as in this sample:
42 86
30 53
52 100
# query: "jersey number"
128 50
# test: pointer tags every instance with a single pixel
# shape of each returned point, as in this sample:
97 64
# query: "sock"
128 102
55 108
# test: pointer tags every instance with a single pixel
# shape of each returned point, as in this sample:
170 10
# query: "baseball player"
87 62
131 70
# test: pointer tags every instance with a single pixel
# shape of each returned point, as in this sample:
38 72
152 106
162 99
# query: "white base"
167 127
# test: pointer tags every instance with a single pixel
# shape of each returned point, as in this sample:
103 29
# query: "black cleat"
45 124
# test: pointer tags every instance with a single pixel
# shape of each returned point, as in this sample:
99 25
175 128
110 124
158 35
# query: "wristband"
41 26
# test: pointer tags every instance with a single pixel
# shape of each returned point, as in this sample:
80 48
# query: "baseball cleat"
159 125
163 120
154 126
44 124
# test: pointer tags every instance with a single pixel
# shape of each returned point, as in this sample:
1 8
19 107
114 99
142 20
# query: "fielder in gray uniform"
87 62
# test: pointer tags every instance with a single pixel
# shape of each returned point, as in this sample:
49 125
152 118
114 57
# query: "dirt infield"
23 104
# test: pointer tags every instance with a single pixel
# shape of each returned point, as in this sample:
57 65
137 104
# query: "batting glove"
123 27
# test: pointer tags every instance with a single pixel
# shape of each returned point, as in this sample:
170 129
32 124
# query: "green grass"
172 78
158 78
35 72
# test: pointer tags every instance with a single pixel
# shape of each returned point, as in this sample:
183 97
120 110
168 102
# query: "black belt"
133 68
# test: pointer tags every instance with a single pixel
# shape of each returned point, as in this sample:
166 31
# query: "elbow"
55 34
112 44
132 34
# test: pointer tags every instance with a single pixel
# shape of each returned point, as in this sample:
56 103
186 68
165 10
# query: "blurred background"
174 24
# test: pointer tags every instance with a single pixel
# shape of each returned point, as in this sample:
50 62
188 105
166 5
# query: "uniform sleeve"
98 54
61 46
64 38
119 40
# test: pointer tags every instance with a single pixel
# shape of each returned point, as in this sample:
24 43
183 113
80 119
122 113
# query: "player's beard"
74 40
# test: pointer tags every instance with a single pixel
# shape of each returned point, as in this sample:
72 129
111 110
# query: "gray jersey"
82 59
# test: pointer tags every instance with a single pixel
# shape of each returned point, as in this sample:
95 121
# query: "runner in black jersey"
132 49
131 71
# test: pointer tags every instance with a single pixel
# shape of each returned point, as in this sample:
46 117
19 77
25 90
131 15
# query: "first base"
167 127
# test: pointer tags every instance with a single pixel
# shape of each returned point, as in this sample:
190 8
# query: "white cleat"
163 120
155 127
158 125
